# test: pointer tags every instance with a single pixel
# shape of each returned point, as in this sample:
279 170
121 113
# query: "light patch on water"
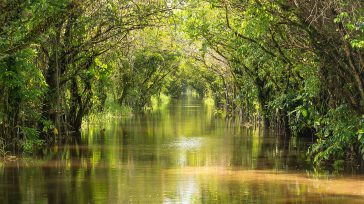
187 190
185 143
346 186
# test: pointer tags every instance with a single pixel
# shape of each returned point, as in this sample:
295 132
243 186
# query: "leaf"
304 112
360 131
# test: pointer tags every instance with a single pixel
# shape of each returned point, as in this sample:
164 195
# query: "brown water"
179 153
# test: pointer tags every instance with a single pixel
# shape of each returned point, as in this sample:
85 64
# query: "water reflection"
177 154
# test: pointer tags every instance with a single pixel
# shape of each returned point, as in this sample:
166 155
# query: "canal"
177 153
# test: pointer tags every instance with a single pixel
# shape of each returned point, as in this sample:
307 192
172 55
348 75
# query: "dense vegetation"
296 66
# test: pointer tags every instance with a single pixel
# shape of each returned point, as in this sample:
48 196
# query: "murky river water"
179 153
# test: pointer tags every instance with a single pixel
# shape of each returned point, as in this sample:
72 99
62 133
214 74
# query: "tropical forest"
181 101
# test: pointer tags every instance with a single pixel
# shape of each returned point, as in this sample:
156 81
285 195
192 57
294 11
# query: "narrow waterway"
178 153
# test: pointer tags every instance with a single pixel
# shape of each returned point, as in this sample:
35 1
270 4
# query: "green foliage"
145 76
175 87
116 110
31 139
354 27
24 22
23 87
112 110
47 125
339 136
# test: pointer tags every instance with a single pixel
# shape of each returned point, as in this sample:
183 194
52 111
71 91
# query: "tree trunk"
52 102
263 99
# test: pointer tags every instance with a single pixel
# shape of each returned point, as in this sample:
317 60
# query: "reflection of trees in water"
258 192
63 171
11 187
261 149
154 131
239 151
245 146
280 152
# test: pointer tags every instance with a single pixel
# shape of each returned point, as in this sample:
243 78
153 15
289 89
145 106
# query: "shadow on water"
180 153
